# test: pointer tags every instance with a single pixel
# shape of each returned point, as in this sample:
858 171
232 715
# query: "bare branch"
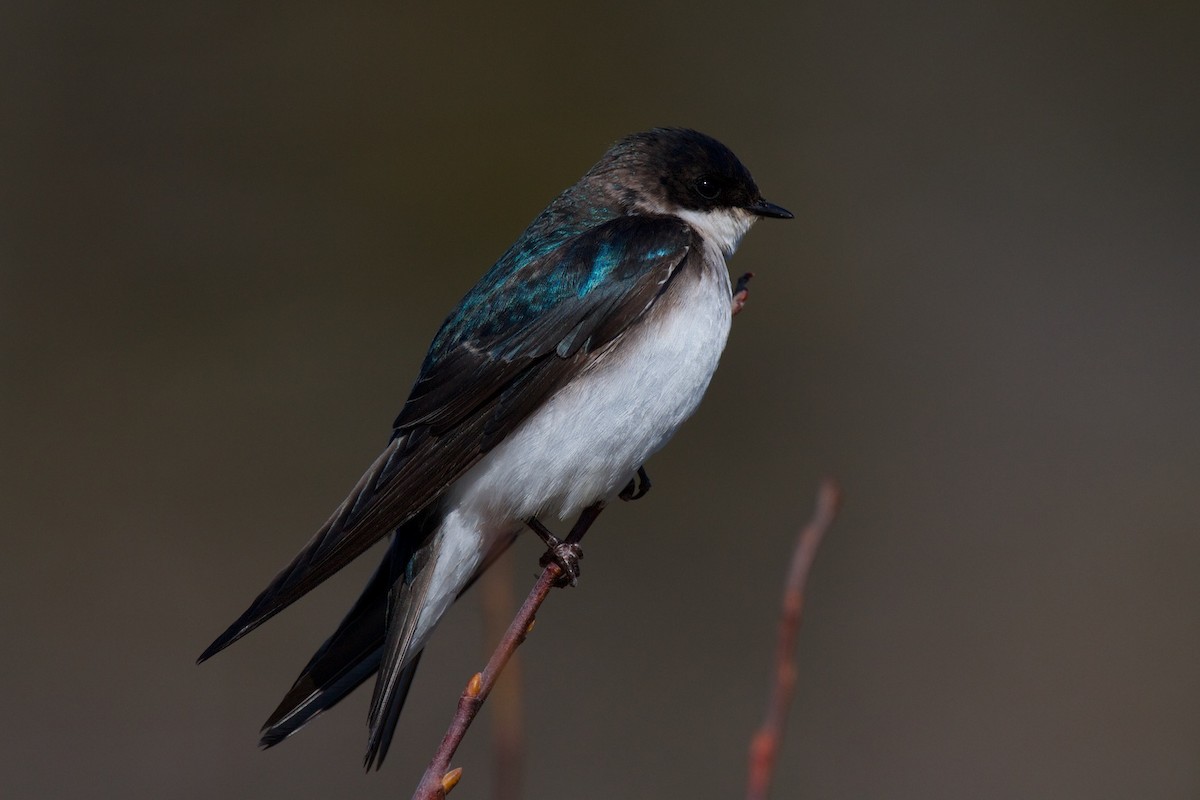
764 747
437 775
437 781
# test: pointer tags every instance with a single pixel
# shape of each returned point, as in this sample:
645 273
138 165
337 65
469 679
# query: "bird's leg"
637 488
566 552
586 518
543 533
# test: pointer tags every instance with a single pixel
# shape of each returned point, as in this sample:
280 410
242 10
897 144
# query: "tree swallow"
575 358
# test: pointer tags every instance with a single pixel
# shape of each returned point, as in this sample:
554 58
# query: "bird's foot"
567 556
637 488
566 553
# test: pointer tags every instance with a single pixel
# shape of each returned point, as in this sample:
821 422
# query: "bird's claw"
567 556
566 553
637 487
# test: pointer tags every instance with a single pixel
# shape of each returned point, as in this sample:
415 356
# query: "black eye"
708 187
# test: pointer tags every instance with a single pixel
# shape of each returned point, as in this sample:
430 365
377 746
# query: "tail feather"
379 634
406 608
377 752
352 654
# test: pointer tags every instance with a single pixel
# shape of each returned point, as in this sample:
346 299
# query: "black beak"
764 209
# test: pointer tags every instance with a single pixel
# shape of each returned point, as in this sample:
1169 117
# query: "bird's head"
684 173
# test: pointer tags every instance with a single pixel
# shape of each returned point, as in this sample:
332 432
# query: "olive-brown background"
227 232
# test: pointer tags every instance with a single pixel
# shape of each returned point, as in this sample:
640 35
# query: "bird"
575 357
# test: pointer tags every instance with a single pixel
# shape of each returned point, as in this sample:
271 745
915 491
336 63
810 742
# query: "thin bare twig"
438 780
764 747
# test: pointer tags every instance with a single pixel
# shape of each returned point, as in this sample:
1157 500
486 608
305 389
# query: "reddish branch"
438 779
764 747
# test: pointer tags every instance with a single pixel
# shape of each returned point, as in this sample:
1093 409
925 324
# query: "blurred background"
228 231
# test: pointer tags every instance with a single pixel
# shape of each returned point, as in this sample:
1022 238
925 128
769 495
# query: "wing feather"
485 381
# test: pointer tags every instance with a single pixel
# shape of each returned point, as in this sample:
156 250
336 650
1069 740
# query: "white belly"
589 438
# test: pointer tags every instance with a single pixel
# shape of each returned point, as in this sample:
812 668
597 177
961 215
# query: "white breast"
590 437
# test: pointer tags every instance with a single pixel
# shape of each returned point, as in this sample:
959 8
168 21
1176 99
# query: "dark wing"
527 333
349 656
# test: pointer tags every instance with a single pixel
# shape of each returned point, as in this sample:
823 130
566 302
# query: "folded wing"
529 330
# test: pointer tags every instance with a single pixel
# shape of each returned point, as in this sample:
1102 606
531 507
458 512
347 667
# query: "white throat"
724 227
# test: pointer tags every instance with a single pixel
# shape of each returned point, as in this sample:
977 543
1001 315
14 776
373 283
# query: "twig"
764 747
437 781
